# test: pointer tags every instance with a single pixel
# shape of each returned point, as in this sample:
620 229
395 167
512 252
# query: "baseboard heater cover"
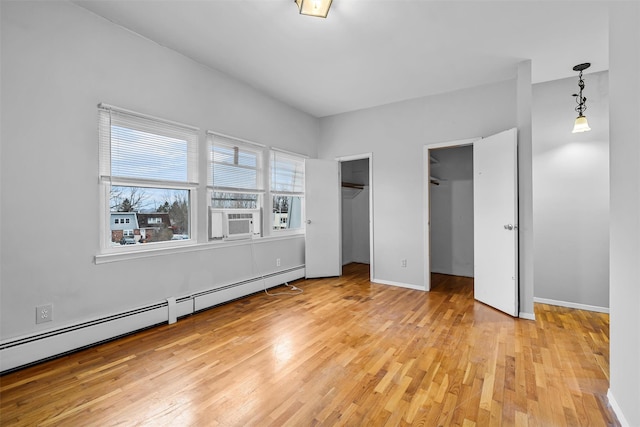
20 352
213 297
26 351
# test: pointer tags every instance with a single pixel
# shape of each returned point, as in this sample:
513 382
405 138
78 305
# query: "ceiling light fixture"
317 8
581 124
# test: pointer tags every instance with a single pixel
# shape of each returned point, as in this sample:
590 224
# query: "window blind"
287 173
234 165
138 147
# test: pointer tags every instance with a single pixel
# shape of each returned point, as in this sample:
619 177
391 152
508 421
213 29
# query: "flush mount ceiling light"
317 8
581 124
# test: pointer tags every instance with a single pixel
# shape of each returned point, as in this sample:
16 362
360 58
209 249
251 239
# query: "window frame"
219 139
189 134
197 156
273 152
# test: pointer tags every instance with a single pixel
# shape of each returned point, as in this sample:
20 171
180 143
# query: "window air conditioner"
234 224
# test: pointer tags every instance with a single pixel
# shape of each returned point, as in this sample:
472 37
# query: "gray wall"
571 194
58 62
525 190
355 227
396 135
452 211
624 277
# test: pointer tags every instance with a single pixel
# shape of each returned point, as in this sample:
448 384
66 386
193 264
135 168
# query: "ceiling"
371 52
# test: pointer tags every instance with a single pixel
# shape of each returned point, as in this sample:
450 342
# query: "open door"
323 246
495 211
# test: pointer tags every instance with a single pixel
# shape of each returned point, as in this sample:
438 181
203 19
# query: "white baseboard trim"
525 315
19 352
616 409
572 305
398 284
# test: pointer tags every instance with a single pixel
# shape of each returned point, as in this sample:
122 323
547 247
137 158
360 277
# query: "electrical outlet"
44 313
277 262
403 263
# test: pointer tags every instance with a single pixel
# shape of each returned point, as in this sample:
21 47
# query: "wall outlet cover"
44 313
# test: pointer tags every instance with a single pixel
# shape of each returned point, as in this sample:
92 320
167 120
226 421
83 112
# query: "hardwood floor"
344 352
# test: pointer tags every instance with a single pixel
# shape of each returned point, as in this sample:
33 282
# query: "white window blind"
234 165
147 166
143 148
287 173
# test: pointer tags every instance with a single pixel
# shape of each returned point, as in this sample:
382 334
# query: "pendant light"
317 8
581 124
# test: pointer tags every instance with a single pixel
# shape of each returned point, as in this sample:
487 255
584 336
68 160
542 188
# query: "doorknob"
508 227
308 221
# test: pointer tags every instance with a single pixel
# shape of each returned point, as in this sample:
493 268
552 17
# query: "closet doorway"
451 210
356 210
472 211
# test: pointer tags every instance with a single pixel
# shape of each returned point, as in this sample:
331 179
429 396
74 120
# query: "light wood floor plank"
345 352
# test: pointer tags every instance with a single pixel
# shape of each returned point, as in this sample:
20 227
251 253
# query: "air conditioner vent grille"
240 227
240 216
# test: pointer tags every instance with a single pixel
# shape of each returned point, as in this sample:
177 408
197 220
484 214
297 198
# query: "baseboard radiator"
17 353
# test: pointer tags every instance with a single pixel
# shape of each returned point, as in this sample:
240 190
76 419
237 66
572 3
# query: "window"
235 182
148 167
287 190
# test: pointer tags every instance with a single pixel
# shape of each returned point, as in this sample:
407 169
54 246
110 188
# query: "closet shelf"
351 190
435 180
352 185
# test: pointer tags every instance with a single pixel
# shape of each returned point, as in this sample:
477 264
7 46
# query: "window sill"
194 247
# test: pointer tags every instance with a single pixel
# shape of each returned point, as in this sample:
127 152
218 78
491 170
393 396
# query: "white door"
323 248
495 211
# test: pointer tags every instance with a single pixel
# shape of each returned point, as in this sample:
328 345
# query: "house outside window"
147 165
124 227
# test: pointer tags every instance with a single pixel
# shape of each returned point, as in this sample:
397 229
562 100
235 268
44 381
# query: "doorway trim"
368 156
426 214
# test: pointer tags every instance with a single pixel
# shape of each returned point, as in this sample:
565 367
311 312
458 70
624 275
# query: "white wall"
571 194
624 278
452 211
360 249
58 62
347 228
396 134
